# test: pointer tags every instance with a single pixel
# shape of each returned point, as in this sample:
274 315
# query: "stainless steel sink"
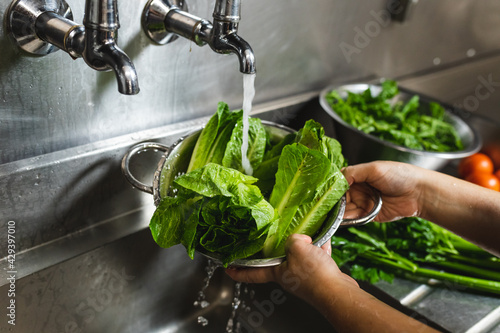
86 262
132 285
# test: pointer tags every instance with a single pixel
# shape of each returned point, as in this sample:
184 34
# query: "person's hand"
305 272
398 184
310 273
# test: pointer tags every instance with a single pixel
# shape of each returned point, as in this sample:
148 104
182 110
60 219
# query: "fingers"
358 173
297 243
302 255
367 172
295 246
327 247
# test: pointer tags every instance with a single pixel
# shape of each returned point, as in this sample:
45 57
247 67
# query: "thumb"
297 243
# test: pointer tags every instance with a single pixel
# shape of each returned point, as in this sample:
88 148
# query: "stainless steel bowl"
359 147
175 161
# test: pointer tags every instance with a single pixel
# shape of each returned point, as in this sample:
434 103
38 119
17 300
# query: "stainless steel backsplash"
64 129
53 102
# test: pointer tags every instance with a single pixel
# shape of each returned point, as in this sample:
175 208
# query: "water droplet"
201 301
235 305
202 321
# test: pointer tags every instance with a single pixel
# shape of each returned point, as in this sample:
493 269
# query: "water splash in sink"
202 321
201 302
235 305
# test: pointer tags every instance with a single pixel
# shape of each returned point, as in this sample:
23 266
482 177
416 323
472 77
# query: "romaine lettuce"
216 208
219 209
308 184
214 137
257 140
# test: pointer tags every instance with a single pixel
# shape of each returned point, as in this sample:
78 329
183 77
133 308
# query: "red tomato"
493 152
487 180
497 174
477 163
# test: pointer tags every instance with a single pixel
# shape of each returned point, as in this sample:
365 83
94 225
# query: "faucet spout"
126 75
165 20
43 26
225 39
232 43
101 52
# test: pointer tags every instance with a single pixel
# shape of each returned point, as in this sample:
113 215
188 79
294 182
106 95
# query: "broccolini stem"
465 281
468 270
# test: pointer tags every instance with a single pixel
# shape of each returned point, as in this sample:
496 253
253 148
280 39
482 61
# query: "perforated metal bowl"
175 161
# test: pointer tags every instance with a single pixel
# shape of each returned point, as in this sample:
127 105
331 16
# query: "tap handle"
21 18
154 16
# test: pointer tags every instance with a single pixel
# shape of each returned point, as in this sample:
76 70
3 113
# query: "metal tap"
101 52
164 20
43 26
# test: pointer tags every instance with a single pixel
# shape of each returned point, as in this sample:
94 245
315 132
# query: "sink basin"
86 262
132 285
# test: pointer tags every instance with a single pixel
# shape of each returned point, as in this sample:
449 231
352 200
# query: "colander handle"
134 150
377 206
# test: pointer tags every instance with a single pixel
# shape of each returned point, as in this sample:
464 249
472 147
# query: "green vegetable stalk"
417 248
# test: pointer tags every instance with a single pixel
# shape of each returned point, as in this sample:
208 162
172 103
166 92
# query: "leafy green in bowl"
409 124
382 122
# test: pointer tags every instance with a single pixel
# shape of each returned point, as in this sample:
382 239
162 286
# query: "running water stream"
237 304
201 302
248 95
232 324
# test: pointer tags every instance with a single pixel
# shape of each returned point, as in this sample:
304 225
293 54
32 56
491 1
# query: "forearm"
311 274
466 209
351 309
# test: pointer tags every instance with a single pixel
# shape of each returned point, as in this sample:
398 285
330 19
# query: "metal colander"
175 161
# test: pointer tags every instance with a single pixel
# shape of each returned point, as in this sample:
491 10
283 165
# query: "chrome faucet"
101 52
164 20
43 26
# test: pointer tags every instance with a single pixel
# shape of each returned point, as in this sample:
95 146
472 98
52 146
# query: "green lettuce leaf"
301 170
310 216
266 172
312 135
257 140
214 179
211 144
174 222
225 214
